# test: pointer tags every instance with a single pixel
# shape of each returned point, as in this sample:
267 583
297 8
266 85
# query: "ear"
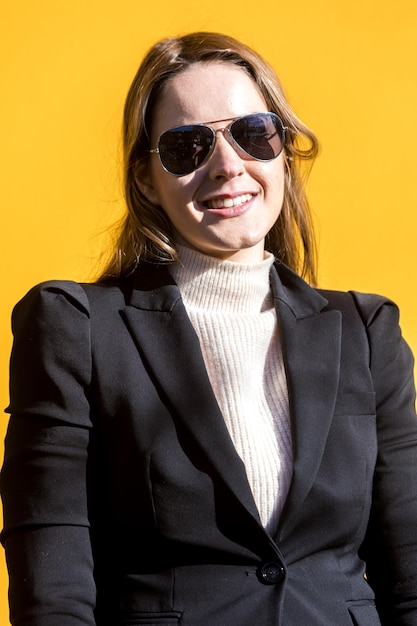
144 182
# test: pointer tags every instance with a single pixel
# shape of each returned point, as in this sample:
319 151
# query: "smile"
227 203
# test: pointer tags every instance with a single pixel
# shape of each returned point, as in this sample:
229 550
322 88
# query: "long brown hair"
145 232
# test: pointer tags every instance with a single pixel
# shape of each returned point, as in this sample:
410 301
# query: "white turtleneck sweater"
231 308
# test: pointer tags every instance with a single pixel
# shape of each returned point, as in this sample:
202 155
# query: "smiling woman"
157 103
226 206
201 437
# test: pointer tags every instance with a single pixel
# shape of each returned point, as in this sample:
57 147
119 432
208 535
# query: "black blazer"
120 478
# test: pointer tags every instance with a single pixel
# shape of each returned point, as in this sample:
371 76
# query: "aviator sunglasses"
183 149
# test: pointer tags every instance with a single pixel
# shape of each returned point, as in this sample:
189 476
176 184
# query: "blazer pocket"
150 619
358 403
364 614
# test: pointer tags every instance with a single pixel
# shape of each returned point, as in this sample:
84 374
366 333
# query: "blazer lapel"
311 336
311 340
163 333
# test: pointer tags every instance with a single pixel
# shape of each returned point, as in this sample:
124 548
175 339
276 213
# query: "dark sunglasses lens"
182 150
260 135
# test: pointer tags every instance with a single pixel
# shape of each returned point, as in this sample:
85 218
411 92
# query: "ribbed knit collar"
211 284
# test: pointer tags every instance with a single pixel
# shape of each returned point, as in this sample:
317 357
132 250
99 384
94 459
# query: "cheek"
175 194
274 190
279 172
271 175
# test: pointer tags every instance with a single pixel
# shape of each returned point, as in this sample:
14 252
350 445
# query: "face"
226 207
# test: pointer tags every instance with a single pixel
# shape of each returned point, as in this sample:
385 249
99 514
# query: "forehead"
204 92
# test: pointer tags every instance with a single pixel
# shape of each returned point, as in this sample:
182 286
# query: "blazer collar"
293 292
165 337
311 344
310 336
155 290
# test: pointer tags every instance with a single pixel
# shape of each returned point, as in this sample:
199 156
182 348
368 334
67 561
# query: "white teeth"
227 203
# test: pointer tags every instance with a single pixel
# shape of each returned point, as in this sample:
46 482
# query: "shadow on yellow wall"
349 70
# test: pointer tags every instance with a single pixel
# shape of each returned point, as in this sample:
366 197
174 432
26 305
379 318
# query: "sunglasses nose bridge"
225 131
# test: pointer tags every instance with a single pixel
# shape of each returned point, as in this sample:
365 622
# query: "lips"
228 203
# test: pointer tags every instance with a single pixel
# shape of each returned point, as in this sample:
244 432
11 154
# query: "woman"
202 438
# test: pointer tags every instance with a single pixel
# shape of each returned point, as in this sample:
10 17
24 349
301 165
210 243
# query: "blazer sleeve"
45 471
390 548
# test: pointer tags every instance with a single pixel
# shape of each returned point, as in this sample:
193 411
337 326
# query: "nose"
225 161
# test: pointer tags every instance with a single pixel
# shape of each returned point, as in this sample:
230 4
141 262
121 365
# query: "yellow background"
350 72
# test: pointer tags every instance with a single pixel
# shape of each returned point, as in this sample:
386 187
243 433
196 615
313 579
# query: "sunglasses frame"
227 128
